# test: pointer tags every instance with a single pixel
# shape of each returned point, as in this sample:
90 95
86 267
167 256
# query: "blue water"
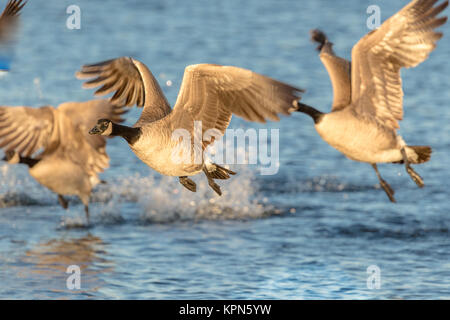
309 232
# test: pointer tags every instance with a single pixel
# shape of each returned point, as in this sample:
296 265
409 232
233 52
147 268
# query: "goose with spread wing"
55 145
367 104
209 94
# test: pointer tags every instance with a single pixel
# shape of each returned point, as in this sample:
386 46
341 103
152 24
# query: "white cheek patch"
108 130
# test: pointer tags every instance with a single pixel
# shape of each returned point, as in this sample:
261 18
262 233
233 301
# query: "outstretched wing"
132 84
9 19
55 131
338 69
404 40
84 115
26 130
212 93
74 146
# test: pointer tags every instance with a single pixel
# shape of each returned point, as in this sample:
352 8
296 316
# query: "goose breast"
359 139
61 176
167 152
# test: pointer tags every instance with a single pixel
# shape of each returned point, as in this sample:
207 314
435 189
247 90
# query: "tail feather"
423 154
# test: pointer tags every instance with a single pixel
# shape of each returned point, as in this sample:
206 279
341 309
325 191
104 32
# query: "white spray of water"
154 199
165 200
18 188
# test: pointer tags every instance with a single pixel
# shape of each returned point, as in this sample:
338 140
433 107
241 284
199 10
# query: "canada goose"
367 102
209 93
54 143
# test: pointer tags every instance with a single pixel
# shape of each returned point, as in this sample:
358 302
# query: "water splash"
165 200
18 189
153 199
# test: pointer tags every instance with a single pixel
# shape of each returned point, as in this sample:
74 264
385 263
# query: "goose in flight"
209 94
55 145
367 104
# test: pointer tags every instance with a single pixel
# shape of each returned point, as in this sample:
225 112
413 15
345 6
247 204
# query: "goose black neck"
130 134
315 114
30 162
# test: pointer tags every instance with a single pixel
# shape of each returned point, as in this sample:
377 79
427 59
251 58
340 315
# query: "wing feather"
213 93
338 69
9 19
18 123
131 82
84 115
403 41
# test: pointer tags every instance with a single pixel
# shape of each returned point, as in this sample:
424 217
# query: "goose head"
104 127
12 157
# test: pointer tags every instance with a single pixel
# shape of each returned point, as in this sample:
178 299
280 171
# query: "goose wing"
404 40
84 115
48 130
26 129
132 84
74 146
9 18
212 93
338 69
69 143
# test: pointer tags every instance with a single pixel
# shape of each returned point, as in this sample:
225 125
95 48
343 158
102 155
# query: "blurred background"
308 232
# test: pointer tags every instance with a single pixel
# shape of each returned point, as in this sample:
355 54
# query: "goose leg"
214 186
218 172
211 182
386 187
413 174
63 202
188 183
86 210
